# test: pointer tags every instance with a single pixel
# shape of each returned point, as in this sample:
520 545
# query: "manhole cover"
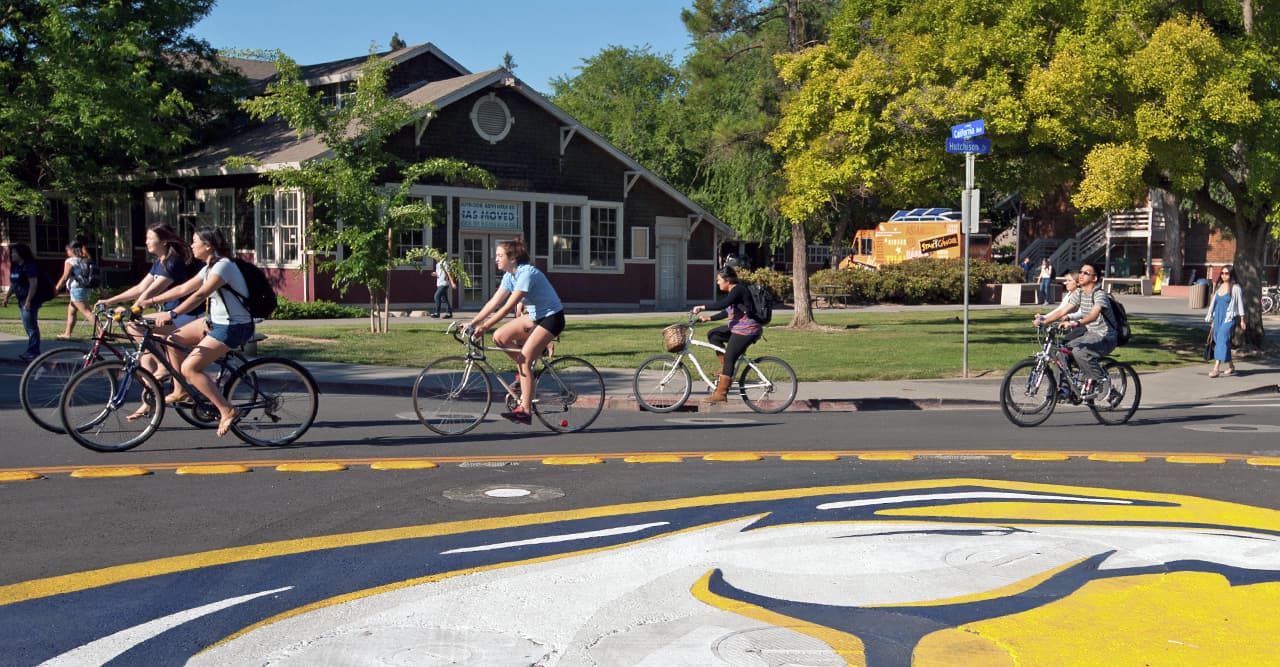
710 421
504 494
1233 428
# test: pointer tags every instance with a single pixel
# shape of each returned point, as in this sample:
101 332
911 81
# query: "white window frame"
818 254
165 206
218 208
640 243
569 233
117 230
272 247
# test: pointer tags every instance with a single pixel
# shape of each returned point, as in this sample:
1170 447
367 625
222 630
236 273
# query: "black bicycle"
40 389
116 405
1036 385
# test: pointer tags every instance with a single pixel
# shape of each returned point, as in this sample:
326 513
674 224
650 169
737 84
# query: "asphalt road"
62 524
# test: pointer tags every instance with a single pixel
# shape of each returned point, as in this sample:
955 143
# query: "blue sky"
548 38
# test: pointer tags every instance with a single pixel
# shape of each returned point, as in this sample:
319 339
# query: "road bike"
452 395
40 389
663 383
1034 386
115 405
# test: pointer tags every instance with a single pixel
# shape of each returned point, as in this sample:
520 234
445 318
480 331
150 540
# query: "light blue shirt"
540 298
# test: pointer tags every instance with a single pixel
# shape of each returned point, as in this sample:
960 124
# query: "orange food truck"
921 232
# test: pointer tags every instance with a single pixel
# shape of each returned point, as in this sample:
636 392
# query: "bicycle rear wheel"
768 385
1028 393
662 384
276 401
1122 401
98 401
452 395
40 389
568 394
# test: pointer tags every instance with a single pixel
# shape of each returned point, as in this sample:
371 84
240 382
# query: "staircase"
1094 242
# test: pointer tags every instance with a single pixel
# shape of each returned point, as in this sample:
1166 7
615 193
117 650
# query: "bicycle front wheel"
275 400
1028 393
1118 406
452 395
568 394
662 384
98 402
768 385
40 389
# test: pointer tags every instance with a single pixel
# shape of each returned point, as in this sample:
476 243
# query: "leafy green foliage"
315 310
92 91
915 281
778 283
355 209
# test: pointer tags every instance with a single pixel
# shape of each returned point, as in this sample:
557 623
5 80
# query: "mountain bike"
117 404
663 383
452 395
1034 386
40 389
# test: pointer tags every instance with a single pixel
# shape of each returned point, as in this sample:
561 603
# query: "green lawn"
855 346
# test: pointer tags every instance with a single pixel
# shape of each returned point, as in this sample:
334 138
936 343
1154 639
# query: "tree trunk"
1251 242
373 312
803 316
1175 232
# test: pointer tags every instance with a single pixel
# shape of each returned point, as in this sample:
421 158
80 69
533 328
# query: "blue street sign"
980 145
973 128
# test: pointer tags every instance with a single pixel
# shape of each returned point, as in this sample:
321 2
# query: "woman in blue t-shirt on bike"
530 332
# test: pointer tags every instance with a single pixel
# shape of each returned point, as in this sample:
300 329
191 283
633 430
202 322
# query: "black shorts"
553 322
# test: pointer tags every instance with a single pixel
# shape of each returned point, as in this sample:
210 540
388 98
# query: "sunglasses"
1085 273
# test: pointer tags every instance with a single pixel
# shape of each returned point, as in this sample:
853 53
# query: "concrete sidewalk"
1185 385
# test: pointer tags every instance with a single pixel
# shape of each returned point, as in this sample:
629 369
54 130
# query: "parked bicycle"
663 383
116 404
1035 385
1270 299
40 389
452 395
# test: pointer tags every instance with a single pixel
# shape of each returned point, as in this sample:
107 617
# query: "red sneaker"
518 416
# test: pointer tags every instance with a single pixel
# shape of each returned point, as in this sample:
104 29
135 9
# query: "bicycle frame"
685 355
476 350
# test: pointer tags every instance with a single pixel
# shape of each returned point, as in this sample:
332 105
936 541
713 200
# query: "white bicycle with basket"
663 383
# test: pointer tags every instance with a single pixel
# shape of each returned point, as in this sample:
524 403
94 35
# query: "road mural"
934 572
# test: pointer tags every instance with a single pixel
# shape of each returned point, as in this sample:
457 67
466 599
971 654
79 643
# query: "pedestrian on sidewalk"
1224 314
1046 281
75 277
444 282
29 284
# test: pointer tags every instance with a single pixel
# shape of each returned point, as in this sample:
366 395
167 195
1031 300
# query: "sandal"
224 424
141 412
1229 371
179 399
1213 374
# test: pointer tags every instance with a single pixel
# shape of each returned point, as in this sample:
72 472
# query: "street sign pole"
968 210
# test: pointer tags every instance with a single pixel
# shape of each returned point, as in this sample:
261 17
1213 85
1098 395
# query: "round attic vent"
491 118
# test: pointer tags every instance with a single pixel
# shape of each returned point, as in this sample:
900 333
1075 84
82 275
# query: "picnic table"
831 293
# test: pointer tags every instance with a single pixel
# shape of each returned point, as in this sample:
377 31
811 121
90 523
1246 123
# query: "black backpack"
1118 319
89 275
761 303
44 288
261 300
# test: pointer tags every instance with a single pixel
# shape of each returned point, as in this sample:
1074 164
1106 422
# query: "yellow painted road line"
572 460
1196 459
732 456
1039 456
653 458
1118 458
318 466
403 465
886 456
1263 461
815 456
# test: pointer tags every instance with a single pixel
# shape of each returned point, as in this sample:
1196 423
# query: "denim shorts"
79 294
231 335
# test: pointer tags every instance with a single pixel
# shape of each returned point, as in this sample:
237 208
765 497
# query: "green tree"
356 209
397 42
1114 96
633 98
92 91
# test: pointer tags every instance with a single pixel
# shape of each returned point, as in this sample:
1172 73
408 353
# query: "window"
52 229
594 246
566 236
163 207
817 254
278 226
117 232
224 215
337 95
639 243
422 236
491 118
865 245
604 238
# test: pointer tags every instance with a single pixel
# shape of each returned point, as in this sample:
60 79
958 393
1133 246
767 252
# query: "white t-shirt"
224 307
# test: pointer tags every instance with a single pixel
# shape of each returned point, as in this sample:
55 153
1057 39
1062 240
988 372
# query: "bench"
1143 285
830 293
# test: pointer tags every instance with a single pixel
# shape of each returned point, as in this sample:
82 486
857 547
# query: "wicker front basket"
674 337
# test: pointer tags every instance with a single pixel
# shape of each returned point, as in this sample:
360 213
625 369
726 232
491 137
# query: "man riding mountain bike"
1099 337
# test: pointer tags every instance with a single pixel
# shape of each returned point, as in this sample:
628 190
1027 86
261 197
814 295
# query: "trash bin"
1198 295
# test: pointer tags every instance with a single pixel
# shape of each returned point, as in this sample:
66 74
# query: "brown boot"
720 357
721 394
